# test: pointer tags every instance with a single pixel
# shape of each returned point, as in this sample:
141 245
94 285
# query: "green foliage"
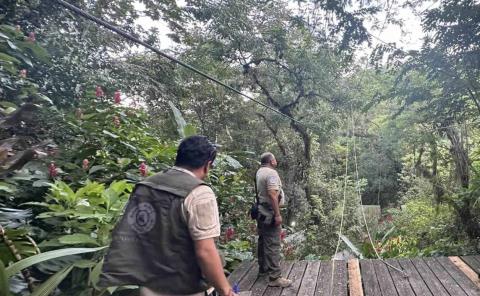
84 217
428 229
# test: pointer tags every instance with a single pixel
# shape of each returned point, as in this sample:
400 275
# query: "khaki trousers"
269 249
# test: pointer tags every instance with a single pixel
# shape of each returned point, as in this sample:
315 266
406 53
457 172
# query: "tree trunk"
437 187
460 157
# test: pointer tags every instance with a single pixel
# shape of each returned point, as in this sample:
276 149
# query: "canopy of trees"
85 113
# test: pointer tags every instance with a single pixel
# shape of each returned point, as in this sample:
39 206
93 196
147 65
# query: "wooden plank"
249 279
469 272
467 285
260 286
340 279
354 278
239 272
369 277
296 276
416 282
473 262
429 278
324 279
401 282
276 291
448 282
309 281
385 281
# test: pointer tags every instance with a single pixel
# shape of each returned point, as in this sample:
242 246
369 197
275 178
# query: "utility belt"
266 215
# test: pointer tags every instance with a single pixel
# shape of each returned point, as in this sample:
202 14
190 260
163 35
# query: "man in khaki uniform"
164 242
269 221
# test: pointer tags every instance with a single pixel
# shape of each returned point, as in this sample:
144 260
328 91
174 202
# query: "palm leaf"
27 262
4 287
51 284
352 247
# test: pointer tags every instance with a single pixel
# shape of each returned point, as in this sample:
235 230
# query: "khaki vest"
151 245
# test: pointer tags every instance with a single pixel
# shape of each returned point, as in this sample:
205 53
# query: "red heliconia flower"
116 121
283 234
31 37
229 233
117 97
99 91
23 73
143 169
85 164
52 170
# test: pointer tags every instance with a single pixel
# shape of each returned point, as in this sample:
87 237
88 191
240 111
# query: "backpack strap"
256 190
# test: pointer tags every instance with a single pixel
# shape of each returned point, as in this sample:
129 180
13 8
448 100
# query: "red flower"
116 121
31 37
52 170
229 233
99 92
85 164
23 73
283 234
143 169
117 97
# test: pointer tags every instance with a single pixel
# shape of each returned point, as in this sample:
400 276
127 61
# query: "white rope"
342 218
357 187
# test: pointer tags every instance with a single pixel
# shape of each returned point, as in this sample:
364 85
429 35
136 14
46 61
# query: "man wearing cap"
269 221
165 243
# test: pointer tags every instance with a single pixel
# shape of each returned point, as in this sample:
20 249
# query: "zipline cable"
167 56
357 190
345 178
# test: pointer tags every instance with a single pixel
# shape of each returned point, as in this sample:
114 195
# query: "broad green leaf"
27 60
96 168
351 246
85 263
4 36
7 104
181 123
387 235
45 98
110 134
233 162
9 110
8 58
95 274
6 187
111 290
77 239
12 46
27 262
131 147
4 287
52 283
41 183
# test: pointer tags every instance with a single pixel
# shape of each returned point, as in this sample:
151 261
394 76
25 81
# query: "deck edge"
354 278
467 270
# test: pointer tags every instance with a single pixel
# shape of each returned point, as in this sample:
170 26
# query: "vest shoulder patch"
142 217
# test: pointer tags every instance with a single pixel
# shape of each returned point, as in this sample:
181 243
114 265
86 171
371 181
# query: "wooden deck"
442 276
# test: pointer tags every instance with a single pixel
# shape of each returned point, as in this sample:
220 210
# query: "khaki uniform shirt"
268 179
200 210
